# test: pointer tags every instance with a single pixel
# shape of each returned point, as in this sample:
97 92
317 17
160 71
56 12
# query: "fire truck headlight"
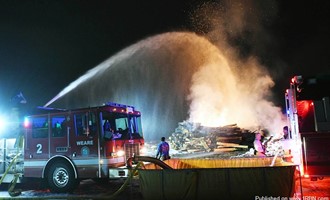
120 153
143 151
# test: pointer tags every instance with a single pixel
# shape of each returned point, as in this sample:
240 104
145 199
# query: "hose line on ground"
129 178
11 189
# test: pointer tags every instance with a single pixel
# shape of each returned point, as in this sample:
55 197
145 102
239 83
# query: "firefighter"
108 132
163 150
259 148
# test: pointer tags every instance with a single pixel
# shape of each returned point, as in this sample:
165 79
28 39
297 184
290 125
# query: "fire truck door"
59 135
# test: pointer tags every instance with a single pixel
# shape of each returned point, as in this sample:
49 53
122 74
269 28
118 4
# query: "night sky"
45 45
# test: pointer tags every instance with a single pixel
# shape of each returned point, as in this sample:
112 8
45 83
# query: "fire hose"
147 159
11 189
133 171
122 188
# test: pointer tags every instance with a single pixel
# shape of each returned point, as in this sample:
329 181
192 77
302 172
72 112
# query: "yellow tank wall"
220 163
246 178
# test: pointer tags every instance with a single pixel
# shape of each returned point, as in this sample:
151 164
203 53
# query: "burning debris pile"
192 137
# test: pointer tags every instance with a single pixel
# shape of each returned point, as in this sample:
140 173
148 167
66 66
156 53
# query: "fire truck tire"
61 177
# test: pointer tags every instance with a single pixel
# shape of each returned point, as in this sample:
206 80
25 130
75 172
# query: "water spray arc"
172 77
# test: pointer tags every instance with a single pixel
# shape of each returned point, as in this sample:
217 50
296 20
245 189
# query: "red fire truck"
65 146
308 114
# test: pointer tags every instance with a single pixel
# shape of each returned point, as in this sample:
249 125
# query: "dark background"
45 45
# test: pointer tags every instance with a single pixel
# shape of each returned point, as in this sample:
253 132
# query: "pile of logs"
192 137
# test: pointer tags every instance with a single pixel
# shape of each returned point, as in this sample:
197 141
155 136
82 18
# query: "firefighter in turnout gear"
163 150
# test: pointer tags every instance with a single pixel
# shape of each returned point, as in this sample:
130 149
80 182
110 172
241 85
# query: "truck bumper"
115 173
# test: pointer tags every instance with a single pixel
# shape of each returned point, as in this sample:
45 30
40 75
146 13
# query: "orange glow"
304 107
114 109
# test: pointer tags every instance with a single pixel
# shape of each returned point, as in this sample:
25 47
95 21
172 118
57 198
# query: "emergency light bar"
119 105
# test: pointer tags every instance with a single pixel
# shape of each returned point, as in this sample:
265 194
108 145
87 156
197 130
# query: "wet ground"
88 189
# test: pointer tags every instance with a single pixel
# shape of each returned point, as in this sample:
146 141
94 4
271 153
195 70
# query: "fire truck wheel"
61 177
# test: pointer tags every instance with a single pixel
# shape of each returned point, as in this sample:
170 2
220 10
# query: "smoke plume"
235 88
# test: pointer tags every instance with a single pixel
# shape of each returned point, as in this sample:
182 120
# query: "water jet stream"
176 76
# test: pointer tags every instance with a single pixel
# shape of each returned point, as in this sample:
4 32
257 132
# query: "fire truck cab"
65 146
308 114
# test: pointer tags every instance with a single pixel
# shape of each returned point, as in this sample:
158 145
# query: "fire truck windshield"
121 125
